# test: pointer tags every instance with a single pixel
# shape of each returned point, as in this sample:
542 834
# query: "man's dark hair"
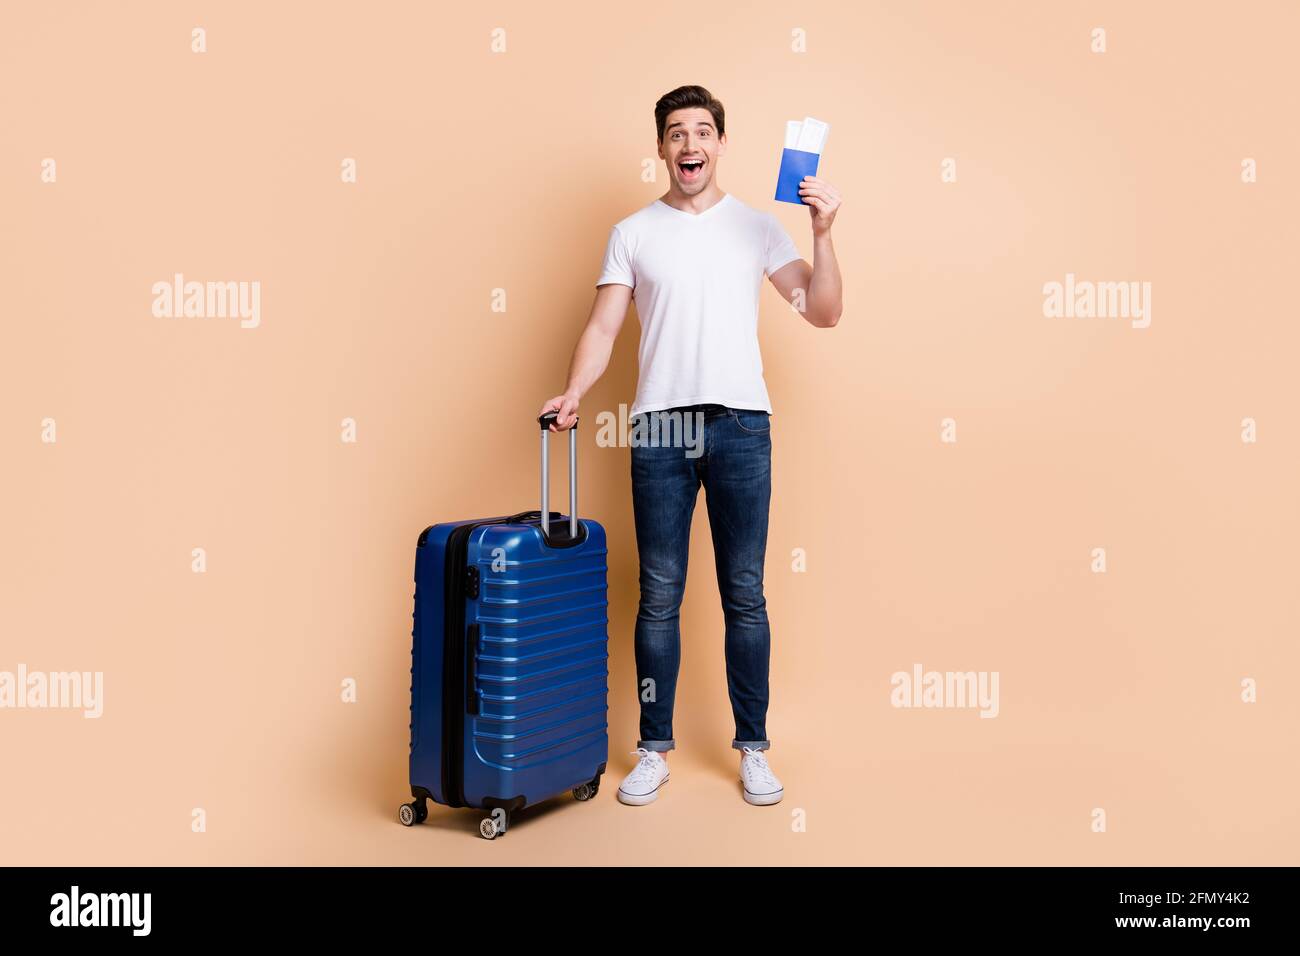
685 98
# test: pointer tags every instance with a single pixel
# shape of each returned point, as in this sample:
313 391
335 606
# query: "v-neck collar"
695 215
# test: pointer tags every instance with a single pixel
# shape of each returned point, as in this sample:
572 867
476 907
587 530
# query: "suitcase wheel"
585 791
412 813
488 829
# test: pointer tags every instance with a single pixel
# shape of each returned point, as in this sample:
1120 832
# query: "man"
694 261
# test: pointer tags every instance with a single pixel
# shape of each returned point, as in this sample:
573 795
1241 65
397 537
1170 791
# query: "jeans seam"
735 416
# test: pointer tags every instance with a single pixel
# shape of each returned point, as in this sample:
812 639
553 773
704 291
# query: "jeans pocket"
753 422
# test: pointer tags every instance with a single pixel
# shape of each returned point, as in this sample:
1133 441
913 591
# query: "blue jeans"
729 452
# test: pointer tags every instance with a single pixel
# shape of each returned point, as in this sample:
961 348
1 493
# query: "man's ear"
722 145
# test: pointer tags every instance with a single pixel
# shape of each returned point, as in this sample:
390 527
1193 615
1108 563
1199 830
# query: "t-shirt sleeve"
617 267
780 248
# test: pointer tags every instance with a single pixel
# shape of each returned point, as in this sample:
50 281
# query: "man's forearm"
590 359
825 291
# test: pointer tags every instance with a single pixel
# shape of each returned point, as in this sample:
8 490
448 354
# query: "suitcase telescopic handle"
546 421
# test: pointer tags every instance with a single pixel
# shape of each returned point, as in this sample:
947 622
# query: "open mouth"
691 169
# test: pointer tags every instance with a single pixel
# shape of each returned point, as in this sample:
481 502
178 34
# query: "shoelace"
756 768
647 766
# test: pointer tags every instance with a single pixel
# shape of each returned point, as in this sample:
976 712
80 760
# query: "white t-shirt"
695 279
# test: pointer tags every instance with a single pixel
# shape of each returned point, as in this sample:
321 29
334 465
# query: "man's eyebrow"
680 123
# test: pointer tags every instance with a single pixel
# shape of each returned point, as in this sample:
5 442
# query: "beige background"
481 171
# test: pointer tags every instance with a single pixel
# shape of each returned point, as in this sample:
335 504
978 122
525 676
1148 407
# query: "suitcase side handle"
545 421
471 669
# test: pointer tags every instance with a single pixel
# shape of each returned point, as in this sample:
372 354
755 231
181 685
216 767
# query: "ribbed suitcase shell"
540 687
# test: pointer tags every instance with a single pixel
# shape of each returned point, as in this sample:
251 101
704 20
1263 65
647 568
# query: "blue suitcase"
509 659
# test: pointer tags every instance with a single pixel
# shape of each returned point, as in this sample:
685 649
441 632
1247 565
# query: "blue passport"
795 165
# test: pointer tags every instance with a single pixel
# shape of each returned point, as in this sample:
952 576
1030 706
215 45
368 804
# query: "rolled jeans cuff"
751 744
657 746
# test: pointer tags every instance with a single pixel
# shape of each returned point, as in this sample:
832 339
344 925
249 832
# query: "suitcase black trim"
559 536
453 666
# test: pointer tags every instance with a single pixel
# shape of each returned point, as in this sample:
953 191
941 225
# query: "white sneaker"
761 786
641 786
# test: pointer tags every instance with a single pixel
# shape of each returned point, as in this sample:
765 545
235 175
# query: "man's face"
691 146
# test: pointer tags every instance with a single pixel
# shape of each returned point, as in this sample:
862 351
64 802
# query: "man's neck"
694 204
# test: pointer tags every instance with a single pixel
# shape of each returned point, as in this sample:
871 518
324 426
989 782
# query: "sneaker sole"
640 799
763 799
